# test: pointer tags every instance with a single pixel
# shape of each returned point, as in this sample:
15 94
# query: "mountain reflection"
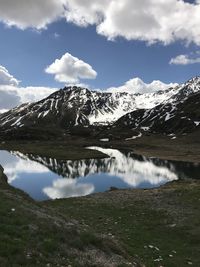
83 177
125 165
14 166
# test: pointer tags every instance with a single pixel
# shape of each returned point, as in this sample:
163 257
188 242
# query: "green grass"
138 225
32 234
149 224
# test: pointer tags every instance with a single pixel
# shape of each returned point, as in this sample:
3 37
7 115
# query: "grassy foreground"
32 234
158 227
152 228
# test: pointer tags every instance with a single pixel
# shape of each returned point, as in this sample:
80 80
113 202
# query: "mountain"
179 114
70 107
79 107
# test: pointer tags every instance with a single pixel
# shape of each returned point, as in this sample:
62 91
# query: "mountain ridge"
75 106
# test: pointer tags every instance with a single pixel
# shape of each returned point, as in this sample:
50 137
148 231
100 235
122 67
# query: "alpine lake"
45 178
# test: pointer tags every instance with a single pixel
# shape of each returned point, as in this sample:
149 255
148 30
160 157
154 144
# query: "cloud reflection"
14 166
136 172
133 172
83 177
64 188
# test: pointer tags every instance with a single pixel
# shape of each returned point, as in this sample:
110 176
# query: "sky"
108 45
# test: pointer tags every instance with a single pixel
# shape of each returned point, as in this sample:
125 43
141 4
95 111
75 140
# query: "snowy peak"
77 106
191 86
183 91
195 81
168 118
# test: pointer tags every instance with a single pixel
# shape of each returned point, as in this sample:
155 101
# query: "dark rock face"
3 178
76 110
66 108
175 117
55 110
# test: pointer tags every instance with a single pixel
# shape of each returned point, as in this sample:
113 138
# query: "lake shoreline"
139 225
120 227
183 148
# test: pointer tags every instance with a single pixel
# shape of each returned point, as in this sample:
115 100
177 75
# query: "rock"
112 188
3 178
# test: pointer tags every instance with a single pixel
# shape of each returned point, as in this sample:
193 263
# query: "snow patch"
105 140
173 137
134 137
197 123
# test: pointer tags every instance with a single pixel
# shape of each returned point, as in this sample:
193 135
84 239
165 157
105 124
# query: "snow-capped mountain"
180 113
70 107
76 106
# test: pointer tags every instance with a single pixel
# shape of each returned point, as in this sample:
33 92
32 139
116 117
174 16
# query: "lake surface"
46 178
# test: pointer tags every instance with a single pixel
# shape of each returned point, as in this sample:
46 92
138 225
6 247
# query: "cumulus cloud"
69 69
12 96
6 78
8 99
136 85
30 13
86 12
34 93
147 20
184 60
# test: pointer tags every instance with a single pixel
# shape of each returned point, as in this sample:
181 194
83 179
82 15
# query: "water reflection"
63 188
44 178
14 166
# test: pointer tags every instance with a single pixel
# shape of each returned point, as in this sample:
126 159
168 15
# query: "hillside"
178 117
76 110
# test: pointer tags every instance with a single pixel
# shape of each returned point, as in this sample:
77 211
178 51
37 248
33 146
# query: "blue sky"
26 54
48 44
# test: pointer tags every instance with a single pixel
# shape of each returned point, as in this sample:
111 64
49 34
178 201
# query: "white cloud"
30 13
6 78
136 85
184 60
69 69
32 93
8 99
86 12
147 20
12 96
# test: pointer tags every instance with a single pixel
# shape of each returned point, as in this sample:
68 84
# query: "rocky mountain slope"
180 114
76 106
